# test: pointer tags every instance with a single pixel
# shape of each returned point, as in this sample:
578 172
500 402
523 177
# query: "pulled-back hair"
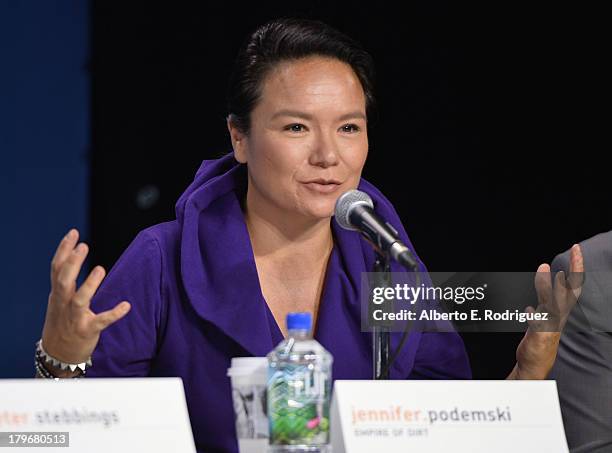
285 40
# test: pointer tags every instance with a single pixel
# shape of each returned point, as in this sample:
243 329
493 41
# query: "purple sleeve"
441 355
127 347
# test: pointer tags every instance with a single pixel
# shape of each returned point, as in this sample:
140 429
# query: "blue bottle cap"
299 321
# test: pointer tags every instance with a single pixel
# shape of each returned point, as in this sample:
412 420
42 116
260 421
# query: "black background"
488 140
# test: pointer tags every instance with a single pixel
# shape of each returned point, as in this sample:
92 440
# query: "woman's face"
308 140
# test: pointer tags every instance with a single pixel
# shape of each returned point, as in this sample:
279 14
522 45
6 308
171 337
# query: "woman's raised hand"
535 355
71 331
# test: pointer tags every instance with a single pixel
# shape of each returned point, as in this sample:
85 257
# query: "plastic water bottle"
299 389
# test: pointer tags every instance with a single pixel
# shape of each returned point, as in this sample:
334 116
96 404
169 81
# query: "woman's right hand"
71 331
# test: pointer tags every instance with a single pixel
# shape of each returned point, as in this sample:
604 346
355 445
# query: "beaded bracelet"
42 372
42 358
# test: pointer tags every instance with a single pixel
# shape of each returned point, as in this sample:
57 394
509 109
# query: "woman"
253 240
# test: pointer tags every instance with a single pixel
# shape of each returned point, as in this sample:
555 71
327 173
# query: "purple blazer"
196 303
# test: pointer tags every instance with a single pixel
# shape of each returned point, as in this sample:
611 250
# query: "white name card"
443 416
100 415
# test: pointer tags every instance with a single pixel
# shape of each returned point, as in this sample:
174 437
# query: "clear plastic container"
299 390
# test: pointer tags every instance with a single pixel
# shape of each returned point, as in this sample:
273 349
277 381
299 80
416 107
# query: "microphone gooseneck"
355 211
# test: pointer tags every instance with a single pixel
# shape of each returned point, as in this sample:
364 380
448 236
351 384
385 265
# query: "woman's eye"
295 128
350 128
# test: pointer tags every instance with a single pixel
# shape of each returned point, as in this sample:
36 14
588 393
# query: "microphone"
355 211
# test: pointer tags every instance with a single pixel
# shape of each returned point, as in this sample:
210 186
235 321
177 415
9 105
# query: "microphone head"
346 203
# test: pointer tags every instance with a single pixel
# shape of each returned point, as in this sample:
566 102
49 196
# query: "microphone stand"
381 336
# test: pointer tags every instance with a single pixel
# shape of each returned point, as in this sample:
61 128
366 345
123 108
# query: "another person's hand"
535 355
71 331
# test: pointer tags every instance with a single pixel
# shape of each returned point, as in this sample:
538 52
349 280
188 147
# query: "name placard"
96 415
440 416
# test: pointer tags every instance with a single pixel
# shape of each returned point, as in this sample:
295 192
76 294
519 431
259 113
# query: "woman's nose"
325 152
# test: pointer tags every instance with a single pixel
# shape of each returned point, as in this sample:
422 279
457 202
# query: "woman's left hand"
535 355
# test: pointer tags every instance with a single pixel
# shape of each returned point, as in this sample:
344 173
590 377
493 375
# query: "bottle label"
298 405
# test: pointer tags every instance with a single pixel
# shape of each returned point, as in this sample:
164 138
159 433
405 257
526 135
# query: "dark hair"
284 40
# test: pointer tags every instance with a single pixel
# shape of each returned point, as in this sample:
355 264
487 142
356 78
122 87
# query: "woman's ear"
238 141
